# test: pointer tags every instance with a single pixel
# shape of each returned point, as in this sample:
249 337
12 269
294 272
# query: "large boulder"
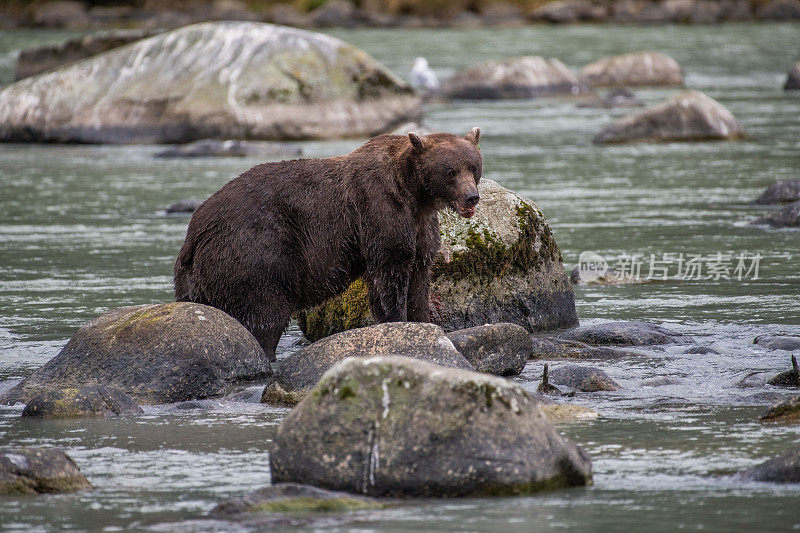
583 378
782 469
239 80
793 78
639 68
625 334
81 402
519 77
154 353
32 61
393 426
502 349
689 116
302 370
784 217
38 470
780 192
501 265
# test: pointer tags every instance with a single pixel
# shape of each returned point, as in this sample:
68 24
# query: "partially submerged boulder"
784 217
293 498
556 348
639 68
787 411
780 192
32 61
519 77
790 378
625 334
240 80
230 148
501 349
38 470
782 469
184 206
81 402
392 426
299 372
501 265
778 342
583 378
616 98
689 116
793 78
154 353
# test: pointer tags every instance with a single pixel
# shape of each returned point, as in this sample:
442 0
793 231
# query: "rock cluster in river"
400 427
154 353
225 80
38 470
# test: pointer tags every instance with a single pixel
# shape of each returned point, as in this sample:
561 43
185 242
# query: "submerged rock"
778 342
790 378
154 353
32 61
700 350
38 470
782 469
639 68
784 217
553 347
689 116
184 206
240 80
501 265
293 498
787 411
625 334
501 349
793 78
616 98
393 426
520 77
230 148
582 378
299 372
81 402
780 192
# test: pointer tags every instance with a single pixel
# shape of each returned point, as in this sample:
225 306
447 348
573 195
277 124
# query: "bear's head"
450 167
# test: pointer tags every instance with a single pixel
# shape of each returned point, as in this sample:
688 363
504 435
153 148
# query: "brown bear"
287 236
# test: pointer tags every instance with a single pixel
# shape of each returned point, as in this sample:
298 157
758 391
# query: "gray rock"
609 277
81 402
779 10
787 412
778 342
780 192
625 334
700 350
154 353
211 80
616 98
32 61
393 426
501 265
501 349
68 14
782 469
582 378
784 217
568 11
38 470
299 372
690 116
520 77
790 378
293 498
555 348
639 68
184 206
793 79
707 12
230 148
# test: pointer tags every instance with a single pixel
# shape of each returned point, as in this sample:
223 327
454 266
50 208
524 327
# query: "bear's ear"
416 141
474 135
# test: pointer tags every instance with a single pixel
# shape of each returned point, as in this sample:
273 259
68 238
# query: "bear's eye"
452 172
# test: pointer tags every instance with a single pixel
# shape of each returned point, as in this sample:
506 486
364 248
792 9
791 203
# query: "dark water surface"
82 231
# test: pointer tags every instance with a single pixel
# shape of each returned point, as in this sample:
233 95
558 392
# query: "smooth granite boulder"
639 68
582 378
38 470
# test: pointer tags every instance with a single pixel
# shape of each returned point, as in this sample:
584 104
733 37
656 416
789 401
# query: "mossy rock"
155 354
81 402
400 427
501 265
787 411
38 470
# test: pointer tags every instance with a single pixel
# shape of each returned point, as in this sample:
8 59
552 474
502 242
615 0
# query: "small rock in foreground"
781 469
399 427
584 379
501 349
38 470
81 402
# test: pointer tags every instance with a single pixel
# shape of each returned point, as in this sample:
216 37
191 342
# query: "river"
82 231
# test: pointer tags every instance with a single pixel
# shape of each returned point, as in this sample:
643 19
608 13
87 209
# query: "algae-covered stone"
228 80
787 411
293 498
81 402
38 470
302 370
154 353
689 116
502 349
501 265
394 426
638 68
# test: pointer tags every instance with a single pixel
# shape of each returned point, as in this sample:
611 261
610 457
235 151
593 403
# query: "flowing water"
82 231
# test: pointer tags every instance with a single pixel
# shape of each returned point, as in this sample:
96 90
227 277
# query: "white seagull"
422 77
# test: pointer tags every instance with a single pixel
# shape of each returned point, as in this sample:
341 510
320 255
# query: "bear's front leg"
419 295
388 292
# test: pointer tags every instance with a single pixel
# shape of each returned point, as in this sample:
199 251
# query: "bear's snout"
472 199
